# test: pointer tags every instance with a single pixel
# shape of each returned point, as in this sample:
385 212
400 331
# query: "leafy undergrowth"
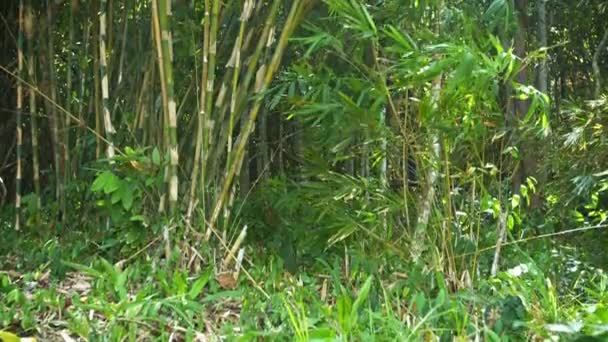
338 298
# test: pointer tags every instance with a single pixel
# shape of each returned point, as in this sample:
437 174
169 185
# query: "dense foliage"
304 170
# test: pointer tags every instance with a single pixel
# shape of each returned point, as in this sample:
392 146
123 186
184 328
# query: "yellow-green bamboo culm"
239 151
105 92
198 150
162 13
243 95
235 63
18 130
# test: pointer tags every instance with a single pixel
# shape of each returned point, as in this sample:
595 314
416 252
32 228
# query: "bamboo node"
174 156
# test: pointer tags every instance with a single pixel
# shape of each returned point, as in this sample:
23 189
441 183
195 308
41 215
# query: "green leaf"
402 38
138 218
133 309
127 199
369 19
200 284
112 184
441 298
363 294
84 269
156 156
223 295
510 222
465 69
106 182
121 284
322 335
116 196
179 283
515 200
344 310
495 7
491 336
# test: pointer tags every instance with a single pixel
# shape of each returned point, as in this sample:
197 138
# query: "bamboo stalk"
428 197
105 92
235 247
18 128
97 81
68 104
405 157
81 121
239 151
201 122
54 116
29 32
243 93
162 14
124 44
235 63
502 232
162 136
208 126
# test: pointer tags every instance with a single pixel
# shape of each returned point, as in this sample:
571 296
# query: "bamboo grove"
83 99
404 132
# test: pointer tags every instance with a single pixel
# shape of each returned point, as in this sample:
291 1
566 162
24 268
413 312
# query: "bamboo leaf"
362 297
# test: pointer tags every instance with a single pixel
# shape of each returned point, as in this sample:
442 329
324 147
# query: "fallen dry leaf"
226 280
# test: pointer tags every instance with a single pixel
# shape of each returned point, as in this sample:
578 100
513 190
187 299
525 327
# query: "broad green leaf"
200 284
112 184
127 199
116 196
515 200
106 182
156 156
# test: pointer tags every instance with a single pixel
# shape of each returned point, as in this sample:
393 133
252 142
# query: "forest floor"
68 290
